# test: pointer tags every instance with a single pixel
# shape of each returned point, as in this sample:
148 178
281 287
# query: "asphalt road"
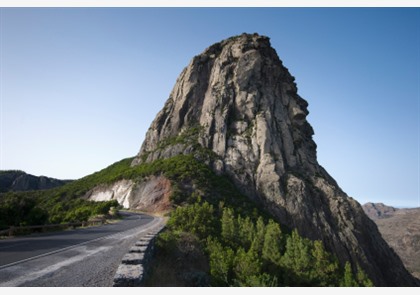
81 257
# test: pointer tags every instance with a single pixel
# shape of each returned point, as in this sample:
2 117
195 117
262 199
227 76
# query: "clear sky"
80 86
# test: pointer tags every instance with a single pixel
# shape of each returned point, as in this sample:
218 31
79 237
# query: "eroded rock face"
149 195
237 100
120 191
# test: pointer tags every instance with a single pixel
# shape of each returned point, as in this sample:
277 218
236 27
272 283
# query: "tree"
258 243
196 218
37 216
297 260
221 263
247 268
325 268
229 228
348 279
362 278
78 214
246 231
273 243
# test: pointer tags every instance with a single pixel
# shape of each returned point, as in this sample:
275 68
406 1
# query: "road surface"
81 257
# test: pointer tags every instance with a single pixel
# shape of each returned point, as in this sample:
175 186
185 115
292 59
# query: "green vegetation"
245 251
222 238
64 204
187 137
58 205
18 209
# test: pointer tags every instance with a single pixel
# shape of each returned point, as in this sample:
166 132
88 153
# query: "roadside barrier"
134 264
16 229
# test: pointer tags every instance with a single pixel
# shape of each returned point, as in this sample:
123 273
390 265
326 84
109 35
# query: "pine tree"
247 268
258 243
297 260
325 268
348 279
246 232
197 219
229 228
221 263
273 243
362 278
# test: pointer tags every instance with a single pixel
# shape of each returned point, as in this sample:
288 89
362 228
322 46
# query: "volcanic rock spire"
245 107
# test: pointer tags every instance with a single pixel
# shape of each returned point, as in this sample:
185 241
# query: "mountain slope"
14 180
401 229
236 108
378 210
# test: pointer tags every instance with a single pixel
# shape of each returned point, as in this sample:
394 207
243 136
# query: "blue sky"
80 86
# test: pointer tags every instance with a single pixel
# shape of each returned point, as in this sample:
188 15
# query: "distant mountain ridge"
378 210
16 180
401 230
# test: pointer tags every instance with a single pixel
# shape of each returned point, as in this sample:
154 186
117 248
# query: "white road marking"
35 275
73 246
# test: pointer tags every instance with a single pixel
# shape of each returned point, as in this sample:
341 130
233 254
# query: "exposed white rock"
120 191
149 194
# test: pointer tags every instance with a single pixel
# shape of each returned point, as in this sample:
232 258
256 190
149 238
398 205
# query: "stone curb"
134 264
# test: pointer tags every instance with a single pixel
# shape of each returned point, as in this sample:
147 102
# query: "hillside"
15 180
401 229
65 203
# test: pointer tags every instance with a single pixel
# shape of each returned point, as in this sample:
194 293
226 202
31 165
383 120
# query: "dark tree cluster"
245 251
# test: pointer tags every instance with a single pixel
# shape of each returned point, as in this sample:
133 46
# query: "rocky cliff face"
239 103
